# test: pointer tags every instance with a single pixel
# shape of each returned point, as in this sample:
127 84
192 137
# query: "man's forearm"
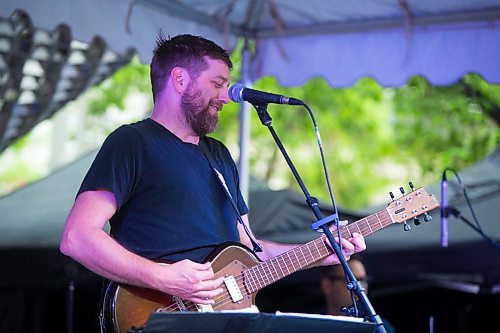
101 254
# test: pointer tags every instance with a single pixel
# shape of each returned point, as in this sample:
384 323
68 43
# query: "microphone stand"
352 283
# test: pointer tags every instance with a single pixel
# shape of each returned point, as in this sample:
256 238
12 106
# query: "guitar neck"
262 275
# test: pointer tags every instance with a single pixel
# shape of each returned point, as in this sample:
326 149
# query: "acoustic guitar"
127 308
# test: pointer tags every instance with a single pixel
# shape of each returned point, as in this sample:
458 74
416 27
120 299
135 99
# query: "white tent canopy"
342 41
295 40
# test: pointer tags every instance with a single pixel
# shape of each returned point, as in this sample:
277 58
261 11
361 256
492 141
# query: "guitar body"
128 307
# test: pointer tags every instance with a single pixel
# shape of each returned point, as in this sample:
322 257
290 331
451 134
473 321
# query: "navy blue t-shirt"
170 203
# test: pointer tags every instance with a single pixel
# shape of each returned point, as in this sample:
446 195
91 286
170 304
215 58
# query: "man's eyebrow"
223 78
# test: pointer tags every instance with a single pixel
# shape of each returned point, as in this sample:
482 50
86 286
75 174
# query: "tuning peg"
406 226
427 217
416 221
411 186
402 190
392 195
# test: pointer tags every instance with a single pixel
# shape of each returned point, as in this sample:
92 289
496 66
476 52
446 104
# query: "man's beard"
197 112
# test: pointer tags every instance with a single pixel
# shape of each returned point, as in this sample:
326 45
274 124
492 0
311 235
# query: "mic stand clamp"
322 223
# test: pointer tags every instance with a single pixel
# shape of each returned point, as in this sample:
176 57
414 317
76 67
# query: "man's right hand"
190 281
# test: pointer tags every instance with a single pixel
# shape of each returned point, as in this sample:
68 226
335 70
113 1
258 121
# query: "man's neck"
176 124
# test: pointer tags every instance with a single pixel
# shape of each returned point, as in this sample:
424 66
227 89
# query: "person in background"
334 288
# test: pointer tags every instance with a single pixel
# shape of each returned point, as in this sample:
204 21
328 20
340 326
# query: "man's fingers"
208 294
358 241
209 284
198 300
347 246
341 224
203 267
207 289
205 275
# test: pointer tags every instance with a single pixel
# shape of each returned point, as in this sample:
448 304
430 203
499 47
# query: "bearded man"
166 188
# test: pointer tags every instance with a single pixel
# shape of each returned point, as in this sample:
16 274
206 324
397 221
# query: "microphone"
239 93
444 211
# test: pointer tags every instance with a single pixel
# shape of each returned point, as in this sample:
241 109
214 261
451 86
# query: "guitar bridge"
234 290
204 308
182 306
180 303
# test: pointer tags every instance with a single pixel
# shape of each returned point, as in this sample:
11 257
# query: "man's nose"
224 96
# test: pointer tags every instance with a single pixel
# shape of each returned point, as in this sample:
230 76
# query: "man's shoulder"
141 125
132 129
126 136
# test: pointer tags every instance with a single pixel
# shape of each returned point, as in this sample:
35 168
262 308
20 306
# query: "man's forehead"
218 67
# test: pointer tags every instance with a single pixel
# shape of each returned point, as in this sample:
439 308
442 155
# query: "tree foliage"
375 138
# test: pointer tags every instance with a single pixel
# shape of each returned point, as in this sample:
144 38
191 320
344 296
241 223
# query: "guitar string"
260 282
222 300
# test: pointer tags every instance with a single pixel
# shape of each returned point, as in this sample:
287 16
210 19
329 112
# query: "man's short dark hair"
184 51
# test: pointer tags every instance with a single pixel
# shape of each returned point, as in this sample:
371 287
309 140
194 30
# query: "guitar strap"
220 178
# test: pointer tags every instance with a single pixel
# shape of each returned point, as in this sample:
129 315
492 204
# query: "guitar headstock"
411 205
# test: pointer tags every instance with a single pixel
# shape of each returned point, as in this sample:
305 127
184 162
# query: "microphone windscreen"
235 92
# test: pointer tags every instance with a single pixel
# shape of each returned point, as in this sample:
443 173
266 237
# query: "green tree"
375 138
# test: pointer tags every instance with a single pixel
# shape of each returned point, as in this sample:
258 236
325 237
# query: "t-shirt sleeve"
117 166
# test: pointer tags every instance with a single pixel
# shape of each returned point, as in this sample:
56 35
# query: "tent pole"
243 164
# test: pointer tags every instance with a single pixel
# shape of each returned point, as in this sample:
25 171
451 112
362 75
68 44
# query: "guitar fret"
272 264
284 265
373 224
267 272
309 249
380 222
300 248
279 265
290 259
347 228
298 261
357 225
386 217
261 277
247 281
369 226
254 280
319 253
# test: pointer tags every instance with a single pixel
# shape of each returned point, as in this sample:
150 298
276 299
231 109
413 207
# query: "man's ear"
180 79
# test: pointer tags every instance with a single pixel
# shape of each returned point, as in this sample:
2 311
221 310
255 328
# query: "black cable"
457 213
330 192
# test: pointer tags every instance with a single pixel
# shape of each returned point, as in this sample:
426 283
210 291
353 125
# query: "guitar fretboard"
259 276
